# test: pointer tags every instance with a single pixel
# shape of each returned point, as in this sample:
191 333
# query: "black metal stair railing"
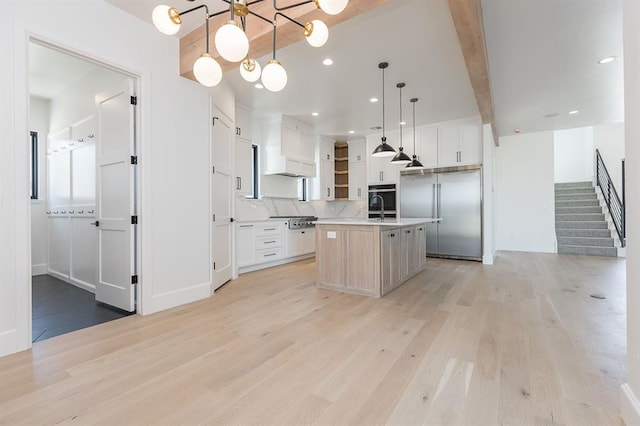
614 203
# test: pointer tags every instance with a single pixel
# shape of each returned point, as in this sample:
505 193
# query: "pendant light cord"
384 138
414 127
400 116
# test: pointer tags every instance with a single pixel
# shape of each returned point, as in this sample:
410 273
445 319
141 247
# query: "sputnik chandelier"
232 42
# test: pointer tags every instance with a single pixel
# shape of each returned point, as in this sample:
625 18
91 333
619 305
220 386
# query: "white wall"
609 140
630 405
39 111
78 101
524 193
573 154
488 199
174 154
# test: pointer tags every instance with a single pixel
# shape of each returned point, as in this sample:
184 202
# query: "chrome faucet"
381 206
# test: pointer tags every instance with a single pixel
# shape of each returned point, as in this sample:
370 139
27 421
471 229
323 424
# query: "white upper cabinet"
289 148
357 180
322 186
460 143
357 151
448 148
380 169
471 141
427 146
243 123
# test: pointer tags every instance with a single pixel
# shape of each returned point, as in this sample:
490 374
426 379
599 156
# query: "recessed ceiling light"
606 59
259 86
575 111
351 132
315 114
402 123
327 62
372 100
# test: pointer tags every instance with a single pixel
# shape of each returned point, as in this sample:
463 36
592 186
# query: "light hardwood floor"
521 342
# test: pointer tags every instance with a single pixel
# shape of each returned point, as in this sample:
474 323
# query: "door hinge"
134 220
134 159
213 169
214 266
134 100
134 279
214 217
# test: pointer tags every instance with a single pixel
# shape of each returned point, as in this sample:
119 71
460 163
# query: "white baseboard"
8 341
488 259
257 267
40 269
175 298
82 284
629 406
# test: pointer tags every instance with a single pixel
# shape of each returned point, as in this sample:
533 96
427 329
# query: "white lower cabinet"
300 242
245 245
263 242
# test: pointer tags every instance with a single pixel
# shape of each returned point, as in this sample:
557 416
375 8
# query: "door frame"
23 36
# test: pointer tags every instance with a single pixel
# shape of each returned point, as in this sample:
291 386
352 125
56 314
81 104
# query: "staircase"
580 224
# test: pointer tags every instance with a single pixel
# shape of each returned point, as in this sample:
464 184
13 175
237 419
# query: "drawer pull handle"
49 212
246 226
268 255
71 211
80 211
90 211
270 229
269 242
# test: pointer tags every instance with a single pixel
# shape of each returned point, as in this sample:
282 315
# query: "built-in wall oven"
382 197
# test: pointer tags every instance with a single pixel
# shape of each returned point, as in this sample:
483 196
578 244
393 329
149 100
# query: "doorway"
83 217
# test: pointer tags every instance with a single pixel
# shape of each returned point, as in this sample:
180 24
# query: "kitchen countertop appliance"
298 222
453 194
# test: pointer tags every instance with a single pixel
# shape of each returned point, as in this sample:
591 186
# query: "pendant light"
250 70
414 164
401 157
274 76
384 149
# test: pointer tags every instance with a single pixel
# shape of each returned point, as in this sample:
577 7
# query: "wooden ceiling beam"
467 18
260 33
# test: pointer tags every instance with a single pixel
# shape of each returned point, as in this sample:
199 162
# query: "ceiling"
52 71
542 61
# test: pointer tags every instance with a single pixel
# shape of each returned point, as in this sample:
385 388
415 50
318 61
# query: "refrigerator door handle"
433 201
439 197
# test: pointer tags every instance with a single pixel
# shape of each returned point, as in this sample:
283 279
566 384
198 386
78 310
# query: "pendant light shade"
384 149
250 70
166 19
332 7
401 157
231 42
207 71
414 164
274 76
316 33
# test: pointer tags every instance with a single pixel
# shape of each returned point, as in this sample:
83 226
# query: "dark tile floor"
59 308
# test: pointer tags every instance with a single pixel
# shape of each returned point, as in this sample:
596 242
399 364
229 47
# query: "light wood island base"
369 257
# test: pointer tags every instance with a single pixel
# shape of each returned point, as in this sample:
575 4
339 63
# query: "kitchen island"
367 256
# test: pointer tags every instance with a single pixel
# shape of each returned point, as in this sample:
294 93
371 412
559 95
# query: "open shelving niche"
341 170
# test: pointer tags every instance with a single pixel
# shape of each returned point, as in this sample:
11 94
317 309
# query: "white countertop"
403 221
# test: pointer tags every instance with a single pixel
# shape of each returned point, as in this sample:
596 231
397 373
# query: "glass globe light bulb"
250 70
316 33
166 19
332 7
231 42
274 76
207 71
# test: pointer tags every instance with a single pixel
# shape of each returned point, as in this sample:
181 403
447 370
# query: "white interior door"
221 196
115 180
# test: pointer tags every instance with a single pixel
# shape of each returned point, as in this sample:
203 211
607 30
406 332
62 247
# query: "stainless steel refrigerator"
453 194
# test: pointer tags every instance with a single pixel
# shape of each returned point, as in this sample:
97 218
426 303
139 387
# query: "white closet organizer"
71 204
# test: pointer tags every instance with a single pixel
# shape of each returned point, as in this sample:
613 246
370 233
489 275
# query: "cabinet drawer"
268 255
268 242
268 228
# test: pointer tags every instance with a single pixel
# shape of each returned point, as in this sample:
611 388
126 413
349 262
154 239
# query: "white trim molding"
629 405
